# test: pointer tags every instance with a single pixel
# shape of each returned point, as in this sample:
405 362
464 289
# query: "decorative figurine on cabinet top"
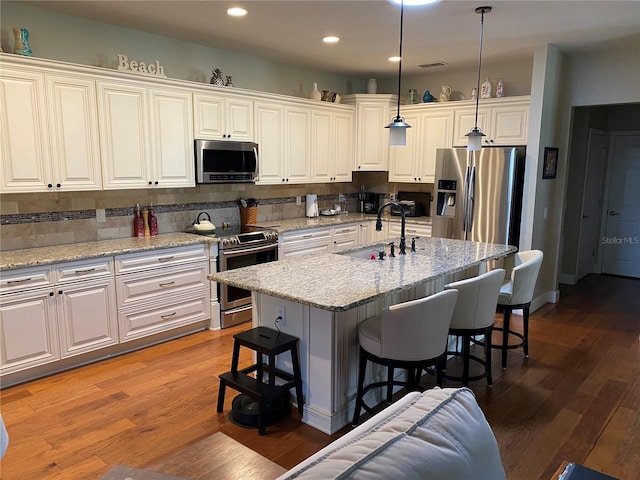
229 82
217 78
445 93
427 97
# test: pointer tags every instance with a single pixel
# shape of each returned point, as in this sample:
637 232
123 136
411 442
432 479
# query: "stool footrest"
253 387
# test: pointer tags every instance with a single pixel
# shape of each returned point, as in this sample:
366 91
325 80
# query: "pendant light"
398 127
475 135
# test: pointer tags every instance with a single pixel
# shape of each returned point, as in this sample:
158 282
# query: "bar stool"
269 343
411 335
517 293
474 315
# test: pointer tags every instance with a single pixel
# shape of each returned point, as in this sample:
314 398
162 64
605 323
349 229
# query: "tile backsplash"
41 219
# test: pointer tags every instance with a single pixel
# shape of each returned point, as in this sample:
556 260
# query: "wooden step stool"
270 343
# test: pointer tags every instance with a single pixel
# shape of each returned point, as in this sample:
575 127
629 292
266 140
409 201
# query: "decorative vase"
315 93
229 81
445 93
412 97
337 98
500 88
427 97
21 47
474 93
486 89
372 86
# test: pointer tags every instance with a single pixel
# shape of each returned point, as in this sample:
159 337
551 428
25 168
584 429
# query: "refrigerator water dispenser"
446 198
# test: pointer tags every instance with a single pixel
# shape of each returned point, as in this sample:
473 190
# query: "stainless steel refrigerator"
478 194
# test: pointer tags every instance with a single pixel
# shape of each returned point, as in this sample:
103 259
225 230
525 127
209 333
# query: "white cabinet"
332 146
305 242
146 136
504 121
162 290
49 313
367 233
432 128
223 116
24 153
283 133
172 159
73 121
411 229
50 132
344 236
373 114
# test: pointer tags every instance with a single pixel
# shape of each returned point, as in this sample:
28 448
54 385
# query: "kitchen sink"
366 252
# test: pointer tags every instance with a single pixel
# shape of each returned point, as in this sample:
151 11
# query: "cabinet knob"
156 182
51 294
59 292
58 185
150 182
50 185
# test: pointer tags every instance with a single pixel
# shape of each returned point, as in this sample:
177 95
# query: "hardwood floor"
576 398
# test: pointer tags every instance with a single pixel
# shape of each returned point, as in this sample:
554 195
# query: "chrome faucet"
379 224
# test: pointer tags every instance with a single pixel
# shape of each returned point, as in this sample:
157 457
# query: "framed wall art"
550 167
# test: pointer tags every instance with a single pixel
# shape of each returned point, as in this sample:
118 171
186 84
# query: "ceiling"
291 31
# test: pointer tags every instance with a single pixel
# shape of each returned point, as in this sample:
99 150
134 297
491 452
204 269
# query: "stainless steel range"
241 249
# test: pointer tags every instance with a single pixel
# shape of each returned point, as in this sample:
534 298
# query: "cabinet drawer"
349 230
25 278
84 270
306 235
143 287
134 262
136 323
411 230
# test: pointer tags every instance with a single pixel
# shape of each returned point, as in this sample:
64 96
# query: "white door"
592 202
621 241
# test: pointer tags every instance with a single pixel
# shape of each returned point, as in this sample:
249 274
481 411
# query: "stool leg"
235 355
361 371
389 384
297 378
487 356
466 352
221 391
505 335
525 330
261 429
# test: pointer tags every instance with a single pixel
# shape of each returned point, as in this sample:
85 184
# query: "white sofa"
440 434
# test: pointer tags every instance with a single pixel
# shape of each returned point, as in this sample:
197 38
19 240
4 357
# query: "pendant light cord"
398 117
480 10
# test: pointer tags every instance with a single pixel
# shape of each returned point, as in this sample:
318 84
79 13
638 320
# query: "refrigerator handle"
465 200
471 199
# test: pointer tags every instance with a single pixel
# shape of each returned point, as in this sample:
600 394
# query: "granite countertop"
33 257
340 281
303 223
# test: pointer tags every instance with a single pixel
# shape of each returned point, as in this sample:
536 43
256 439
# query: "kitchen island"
324 297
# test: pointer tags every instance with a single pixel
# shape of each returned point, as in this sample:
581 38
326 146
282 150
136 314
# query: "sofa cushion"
440 434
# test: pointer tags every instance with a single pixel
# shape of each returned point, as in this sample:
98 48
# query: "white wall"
77 40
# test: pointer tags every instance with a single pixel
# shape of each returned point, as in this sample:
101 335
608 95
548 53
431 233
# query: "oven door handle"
243 251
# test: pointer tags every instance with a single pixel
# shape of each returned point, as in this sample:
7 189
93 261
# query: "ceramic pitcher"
445 93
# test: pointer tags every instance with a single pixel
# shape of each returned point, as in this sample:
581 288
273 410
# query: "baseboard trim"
568 279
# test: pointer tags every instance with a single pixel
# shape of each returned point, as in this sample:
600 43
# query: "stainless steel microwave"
219 161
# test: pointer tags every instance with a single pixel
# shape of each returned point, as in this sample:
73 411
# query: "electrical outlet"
298 200
392 197
280 312
101 215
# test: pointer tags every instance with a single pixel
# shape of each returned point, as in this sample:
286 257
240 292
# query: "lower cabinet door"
87 315
28 330
150 319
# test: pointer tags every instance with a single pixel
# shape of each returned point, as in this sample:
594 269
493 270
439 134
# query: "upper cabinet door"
372 138
122 110
297 142
73 120
436 131
223 117
321 153
270 139
510 124
171 122
465 120
404 164
344 140
24 137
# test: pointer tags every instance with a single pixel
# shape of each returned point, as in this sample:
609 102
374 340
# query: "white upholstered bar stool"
474 315
411 335
517 293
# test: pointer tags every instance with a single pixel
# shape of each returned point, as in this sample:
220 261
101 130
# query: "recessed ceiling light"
330 39
414 2
394 59
236 12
